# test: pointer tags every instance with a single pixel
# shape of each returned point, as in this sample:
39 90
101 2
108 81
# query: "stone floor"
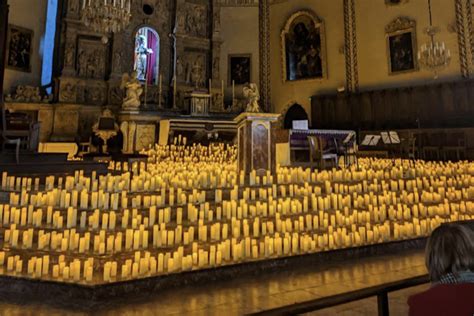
246 295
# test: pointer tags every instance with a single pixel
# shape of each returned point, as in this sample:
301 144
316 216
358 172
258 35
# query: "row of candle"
225 252
139 238
162 210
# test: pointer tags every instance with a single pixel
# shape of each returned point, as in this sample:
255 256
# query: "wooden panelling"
432 106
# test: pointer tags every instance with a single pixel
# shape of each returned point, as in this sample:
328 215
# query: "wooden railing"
380 291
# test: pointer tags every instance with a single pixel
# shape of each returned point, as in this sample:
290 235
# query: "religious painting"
19 48
401 45
239 69
303 47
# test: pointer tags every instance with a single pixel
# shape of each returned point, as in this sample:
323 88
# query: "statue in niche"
142 52
133 91
179 68
252 96
196 73
215 67
118 62
82 63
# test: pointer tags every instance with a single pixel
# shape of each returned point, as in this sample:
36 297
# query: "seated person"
450 262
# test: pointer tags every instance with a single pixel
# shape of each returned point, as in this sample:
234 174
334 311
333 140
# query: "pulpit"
256 142
138 130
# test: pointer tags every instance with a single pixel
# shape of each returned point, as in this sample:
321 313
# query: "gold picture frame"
311 51
401 46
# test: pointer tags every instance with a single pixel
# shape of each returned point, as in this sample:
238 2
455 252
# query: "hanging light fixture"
433 56
106 16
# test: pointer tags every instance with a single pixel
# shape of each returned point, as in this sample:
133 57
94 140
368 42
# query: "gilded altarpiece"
90 65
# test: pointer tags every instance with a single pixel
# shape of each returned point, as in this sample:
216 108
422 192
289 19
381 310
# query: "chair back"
315 147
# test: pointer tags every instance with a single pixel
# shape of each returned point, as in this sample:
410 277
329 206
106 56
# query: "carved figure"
68 93
69 55
133 91
253 96
179 68
27 94
196 73
118 62
82 64
215 67
142 51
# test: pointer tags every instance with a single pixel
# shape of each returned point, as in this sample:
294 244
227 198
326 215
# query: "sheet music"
375 140
394 138
371 140
385 137
348 137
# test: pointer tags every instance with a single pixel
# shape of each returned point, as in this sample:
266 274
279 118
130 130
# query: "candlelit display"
188 208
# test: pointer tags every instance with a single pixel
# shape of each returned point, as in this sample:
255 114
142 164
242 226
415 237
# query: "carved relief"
145 136
27 94
94 95
67 93
69 55
115 95
91 59
196 73
196 20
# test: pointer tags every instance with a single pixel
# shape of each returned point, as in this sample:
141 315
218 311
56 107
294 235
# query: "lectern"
256 142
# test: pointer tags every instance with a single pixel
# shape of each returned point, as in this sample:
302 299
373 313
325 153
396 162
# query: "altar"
198 103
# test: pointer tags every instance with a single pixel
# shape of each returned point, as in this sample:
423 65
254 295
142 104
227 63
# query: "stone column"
264 53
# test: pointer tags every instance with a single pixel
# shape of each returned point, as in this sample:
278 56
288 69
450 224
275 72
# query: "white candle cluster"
188 208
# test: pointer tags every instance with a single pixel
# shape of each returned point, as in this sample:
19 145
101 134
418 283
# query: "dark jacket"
455 299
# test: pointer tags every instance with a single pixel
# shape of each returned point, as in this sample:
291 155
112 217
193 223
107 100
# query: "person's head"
450 249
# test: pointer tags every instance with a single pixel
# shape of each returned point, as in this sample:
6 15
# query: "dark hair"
450 249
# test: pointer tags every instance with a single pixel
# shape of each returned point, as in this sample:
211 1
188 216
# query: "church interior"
202 157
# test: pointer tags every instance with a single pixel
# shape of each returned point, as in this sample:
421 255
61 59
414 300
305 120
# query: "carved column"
264 53
350 46
216 40
3 42
465 41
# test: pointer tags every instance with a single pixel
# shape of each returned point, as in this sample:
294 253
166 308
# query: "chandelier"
106 16
434 55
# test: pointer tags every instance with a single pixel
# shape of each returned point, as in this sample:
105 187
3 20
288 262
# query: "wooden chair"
317 154
18 129
408 148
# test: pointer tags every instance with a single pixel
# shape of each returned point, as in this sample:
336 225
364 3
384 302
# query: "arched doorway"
295 113
147 55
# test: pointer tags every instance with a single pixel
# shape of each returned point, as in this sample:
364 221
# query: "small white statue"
133 92
253 96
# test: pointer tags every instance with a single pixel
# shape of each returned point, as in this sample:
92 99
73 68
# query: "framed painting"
401 46
19 48
240 67
303 47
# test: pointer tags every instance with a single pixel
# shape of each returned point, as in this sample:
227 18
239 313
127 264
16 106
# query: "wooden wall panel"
441 105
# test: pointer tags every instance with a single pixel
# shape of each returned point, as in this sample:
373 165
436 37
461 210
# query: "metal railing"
380 291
